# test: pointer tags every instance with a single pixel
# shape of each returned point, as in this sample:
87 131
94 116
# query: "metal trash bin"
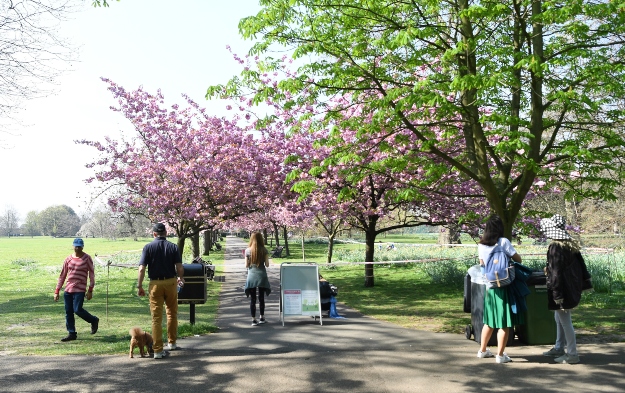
540 325
194 290
474 293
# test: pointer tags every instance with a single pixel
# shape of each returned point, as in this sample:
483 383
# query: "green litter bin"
540 325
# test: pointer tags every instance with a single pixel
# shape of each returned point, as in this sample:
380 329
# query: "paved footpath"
357 354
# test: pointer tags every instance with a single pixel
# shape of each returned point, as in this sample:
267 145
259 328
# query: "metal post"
192 313
108 279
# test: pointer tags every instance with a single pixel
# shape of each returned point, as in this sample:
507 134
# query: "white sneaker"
160 355
172 347
485 354
261 321
503 359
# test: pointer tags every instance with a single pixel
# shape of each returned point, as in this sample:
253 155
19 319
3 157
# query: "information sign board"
299 290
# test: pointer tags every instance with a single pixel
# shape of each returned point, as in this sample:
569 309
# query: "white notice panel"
310 303
292 302
299 290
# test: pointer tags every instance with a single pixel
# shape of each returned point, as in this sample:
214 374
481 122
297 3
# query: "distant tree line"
59 220
56 221
63 221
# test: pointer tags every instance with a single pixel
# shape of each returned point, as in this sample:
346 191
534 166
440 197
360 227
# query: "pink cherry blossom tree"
184 167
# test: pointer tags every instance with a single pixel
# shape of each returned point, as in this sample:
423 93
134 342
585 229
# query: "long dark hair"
493 231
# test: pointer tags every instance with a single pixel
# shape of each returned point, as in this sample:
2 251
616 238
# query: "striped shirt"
76 271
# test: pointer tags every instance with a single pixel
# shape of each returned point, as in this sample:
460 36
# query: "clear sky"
177 46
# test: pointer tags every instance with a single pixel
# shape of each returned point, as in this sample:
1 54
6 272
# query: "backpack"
497 270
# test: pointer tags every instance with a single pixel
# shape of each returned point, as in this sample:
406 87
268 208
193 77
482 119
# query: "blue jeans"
73 305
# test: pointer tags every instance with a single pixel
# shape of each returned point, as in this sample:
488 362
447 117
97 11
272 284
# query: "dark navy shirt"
160 256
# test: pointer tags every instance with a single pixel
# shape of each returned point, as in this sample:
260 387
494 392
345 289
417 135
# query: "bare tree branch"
32 52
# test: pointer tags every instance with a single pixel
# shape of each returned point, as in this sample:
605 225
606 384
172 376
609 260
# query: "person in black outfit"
163 262
567 277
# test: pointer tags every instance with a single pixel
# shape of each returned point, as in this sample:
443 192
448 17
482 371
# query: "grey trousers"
565 334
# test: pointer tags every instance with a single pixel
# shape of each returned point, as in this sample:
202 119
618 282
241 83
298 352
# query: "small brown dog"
142 340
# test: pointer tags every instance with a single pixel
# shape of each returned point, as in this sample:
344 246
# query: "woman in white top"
497 312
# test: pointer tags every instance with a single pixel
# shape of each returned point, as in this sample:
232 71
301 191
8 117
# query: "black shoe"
70 337
94 326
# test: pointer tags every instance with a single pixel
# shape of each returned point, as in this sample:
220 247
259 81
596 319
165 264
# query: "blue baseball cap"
78 242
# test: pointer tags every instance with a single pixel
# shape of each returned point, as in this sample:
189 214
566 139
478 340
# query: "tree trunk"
286 241
448 236
195 245
180 244
507 228
369 251
207 242
330 246
265 236
276 234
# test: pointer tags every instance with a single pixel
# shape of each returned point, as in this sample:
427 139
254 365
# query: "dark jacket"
518 290
567 275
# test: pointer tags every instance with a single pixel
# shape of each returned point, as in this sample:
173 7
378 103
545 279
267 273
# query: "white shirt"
483 251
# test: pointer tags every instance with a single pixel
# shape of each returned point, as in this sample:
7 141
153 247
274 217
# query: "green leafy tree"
60 220
503 91
31 224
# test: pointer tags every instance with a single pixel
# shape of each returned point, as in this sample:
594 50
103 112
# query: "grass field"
424 296
33 323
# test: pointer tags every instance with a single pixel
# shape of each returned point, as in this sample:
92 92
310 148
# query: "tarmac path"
357 354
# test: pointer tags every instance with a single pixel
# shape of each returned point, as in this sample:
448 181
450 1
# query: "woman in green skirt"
497 311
